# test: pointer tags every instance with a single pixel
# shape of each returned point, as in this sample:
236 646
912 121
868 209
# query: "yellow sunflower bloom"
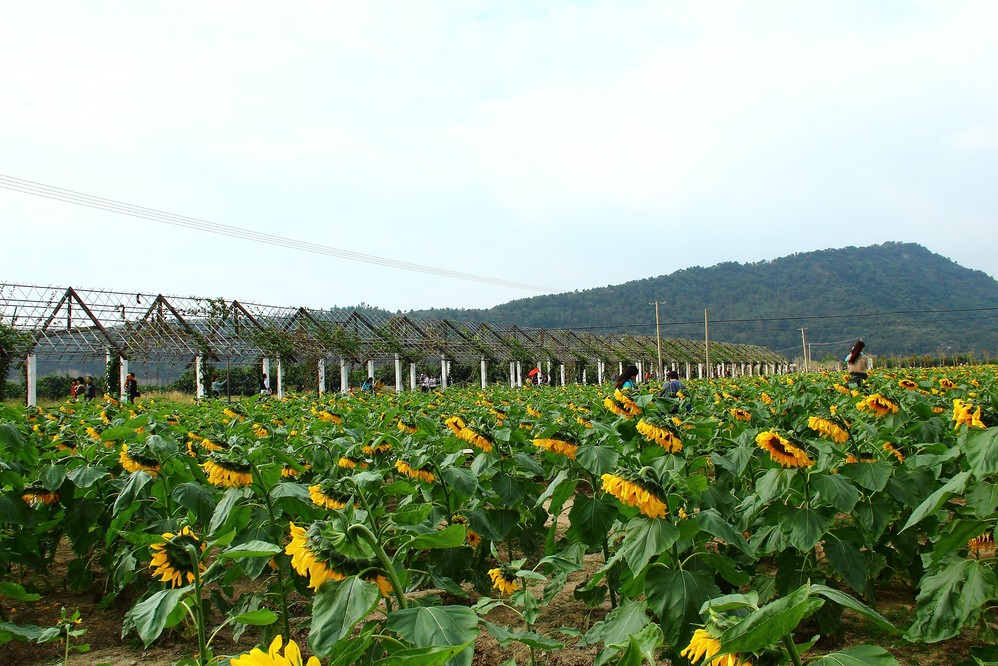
533 412
456 424
782 451
382 446
273 657
890 450
962 414
828 428
632 494
406 428
171 560
983 546
36 495
304 561
475 438
877 404
661 435
504 581
907 384
704 646
228 474
133 462
567 449
327 499
741 414
421 474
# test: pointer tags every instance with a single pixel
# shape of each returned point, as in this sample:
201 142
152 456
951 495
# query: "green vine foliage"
13 344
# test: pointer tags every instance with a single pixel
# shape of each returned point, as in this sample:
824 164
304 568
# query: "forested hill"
887 294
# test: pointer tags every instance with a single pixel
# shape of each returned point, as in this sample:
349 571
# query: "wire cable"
81 199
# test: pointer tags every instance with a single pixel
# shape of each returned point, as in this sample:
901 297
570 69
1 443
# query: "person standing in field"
673 386
89 389
857 363
629 378
131 387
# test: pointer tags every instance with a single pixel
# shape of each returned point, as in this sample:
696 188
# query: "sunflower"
704 646
327 495
962 414
907 384
476 438
314 558
878 404
636 491
504 580
741 414
351 462
35 495
765 398
533 412
946 384
890 450
273 657
421 474
561 446
135 462
582 422
782 451
983 546
289 472
374 449
328 416
456 424
661 434
500 416
406 427
93 434
171 560
232 414
828 428
225 473
473 539
259 431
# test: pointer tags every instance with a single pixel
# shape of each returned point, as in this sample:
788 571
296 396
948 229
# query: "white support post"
548 375
641 372
370 368
443 372
562 367
322 377
398 374
484 372
412 376
344 376
512 374
620 368
519 374
699 370
265 369
31 379
583 376
599 372
280 378
122 377
199 376
688 371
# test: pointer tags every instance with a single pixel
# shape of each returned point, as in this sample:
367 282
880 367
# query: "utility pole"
803 342
658 337
706 344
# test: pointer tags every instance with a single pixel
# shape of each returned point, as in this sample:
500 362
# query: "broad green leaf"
836 490
859 655
85 476
250 549
848 561
337 608
434 655
528 638
149 617
412 514
935 501
676 596
644 539
622 622
591 518
220 517
981 448
872 476
52 477
437 626
843 599
641 647
983 498
129 494
713 523
17 592
260 617
956 536
806 528
451 536
195 497
597 460
21 632
774 483
951 597
769 624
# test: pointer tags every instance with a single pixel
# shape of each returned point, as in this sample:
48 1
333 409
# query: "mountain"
901 298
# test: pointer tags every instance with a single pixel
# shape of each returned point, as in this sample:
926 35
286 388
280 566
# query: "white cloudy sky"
565 144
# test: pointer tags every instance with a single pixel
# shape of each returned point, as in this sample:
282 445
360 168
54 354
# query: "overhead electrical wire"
120 207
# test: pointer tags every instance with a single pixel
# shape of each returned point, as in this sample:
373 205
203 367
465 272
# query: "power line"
81 199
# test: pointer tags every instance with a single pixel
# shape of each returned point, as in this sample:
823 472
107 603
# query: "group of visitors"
82 389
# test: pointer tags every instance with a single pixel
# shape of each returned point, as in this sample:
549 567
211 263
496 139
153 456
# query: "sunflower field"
738 524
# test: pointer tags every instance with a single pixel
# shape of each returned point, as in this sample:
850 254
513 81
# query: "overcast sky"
567 145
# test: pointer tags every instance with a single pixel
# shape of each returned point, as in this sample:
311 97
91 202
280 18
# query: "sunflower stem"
788 641
282 588
200 619
386 562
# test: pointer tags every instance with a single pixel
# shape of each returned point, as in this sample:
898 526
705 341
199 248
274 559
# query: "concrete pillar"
265 369
443 371
31 379
122 376
484 372
583 376
199 376
280 378
398 374
548 374
322 377
600 365
519 374
512 374
562 368
699 370
641 372
370 368
620 368
689 371
412 376
344 376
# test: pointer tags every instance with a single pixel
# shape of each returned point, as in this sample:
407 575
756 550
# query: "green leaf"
52 477
149 617
85 476
338 606
983 498
859 655
22 632
129 494
769 624
437 626
196 498
451 536
17 592
250 549
623 621
872 476
435 655
641 647
676 596
806 528
220 517
774 483
713 523
951 597
846 601
836 490
597 460
848 562
981 449
935 501
646 538
590 519
261 617
528 638
412 514
956 536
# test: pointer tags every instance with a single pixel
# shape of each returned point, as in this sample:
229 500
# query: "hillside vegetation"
835 295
